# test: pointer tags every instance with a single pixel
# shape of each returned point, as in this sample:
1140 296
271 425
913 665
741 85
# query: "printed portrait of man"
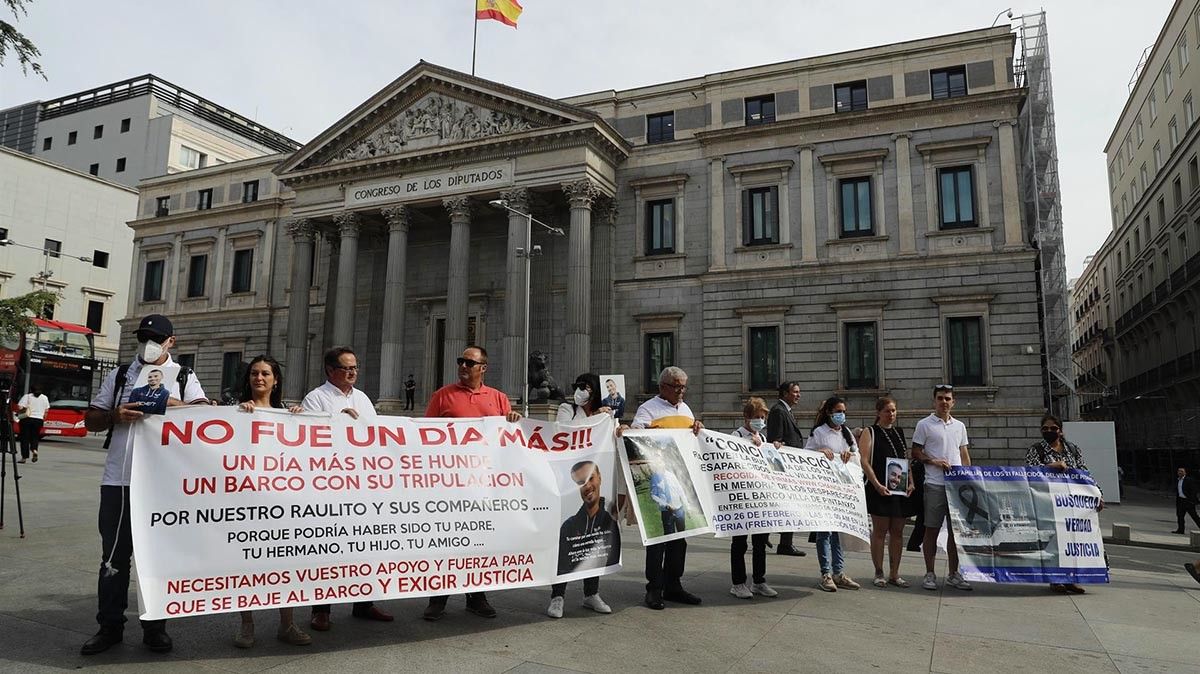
589 539
152 397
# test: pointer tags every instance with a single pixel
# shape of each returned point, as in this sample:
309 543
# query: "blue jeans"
828 544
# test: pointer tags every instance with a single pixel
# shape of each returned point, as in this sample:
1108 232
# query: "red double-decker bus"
58 358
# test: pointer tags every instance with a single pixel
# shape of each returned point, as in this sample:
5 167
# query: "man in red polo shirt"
468 397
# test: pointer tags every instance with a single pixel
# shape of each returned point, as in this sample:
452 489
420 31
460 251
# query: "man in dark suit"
1186 498
782 428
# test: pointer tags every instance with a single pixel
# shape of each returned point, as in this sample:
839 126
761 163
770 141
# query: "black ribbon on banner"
972 503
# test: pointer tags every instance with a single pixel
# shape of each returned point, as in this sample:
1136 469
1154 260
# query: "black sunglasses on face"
470 363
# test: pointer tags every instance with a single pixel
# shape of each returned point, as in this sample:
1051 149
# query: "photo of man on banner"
590 538
668 507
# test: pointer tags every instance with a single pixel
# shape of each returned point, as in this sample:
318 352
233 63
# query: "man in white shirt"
111 411
940 442
338 396
34 406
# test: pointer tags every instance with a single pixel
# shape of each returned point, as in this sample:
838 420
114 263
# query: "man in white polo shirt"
338 396
940 442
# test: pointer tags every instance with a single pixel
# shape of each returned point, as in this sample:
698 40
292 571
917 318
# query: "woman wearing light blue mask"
831 437
754 425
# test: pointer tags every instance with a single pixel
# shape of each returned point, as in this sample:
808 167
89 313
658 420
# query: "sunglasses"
470 363
943 387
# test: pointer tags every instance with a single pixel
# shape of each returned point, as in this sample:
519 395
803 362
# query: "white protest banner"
735 488
233 510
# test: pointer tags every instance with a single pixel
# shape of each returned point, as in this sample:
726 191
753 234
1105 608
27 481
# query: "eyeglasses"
677 387
346 368
943 387
470 363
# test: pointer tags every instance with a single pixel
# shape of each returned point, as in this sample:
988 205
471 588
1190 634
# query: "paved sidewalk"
1145 621
1151 517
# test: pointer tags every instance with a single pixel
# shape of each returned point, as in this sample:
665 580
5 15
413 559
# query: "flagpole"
475 34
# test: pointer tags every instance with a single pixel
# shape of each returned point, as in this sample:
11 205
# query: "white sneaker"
930 582
763 589
740 591
594 602
556 607
955 580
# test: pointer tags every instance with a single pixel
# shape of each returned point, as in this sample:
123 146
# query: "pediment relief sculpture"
434 120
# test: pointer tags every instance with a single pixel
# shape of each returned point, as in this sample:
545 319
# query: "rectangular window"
1137 241
204 200
760 216
1141 132
52 247
1183 52
1133 188
1120 164
1173 133
72 136
861 368
760 110
243 271
120 164
966 351
189 157
850 96
125 125
186 360
1177 190
249 191
856 207
231 373
1157 157
197 275
98 132
1193 174
1153 107
1168 81
948 82
1145 177
956 194
660 353
162 206
94 169
1124 206
100 259
95 316
48 311
764 358
1189 112
660 227
1129 150
152 287
660 128
47 143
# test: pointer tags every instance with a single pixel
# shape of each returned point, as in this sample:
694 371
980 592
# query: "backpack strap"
182 379
118 389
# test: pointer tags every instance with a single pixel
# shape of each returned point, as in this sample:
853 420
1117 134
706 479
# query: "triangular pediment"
431 107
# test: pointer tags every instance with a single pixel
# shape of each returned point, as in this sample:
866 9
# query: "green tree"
17 313
13 40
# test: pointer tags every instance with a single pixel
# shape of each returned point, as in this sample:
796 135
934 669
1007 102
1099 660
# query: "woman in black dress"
879 442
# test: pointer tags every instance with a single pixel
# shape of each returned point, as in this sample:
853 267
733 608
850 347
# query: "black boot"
103 640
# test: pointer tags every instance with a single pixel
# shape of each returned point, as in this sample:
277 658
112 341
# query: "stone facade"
755 270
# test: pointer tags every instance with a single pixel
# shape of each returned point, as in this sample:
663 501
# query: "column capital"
1004 122
347 223
581 193
605 212
807 148
458 207
517 198
300 229
903 134
398 218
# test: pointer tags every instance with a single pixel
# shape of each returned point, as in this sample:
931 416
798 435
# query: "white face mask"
757 425
582 396
150 351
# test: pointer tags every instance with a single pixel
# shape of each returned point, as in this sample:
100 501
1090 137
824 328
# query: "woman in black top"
879 442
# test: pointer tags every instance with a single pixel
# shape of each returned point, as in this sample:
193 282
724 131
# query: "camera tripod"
8 449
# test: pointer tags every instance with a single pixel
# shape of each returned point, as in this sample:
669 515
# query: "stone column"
581 194
808 208
514 356
904 197
1009 189
296 361
391 352
716 215
603 226
343 311
456 283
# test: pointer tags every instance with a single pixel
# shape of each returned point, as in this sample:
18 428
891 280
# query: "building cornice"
268 208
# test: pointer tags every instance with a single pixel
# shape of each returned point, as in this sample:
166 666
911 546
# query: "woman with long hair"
831 437
879 442
262 386
584 403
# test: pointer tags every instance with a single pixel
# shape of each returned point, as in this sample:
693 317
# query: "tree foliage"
12 40
17 313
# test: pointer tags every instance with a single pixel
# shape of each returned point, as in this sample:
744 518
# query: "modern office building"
1137 300
137 128
856 222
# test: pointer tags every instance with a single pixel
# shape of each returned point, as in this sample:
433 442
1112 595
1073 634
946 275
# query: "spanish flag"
504 11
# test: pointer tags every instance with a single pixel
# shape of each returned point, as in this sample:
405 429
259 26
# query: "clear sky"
299 65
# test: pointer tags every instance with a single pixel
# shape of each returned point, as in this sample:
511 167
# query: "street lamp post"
528 252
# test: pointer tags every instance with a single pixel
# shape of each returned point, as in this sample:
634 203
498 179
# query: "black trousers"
1182 507
112 590
785 541
591 586
758 558
408 399
31 432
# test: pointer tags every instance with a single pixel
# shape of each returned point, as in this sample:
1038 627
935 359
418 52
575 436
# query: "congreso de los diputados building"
852 222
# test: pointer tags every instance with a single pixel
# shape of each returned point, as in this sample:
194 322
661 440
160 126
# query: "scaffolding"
1042 202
